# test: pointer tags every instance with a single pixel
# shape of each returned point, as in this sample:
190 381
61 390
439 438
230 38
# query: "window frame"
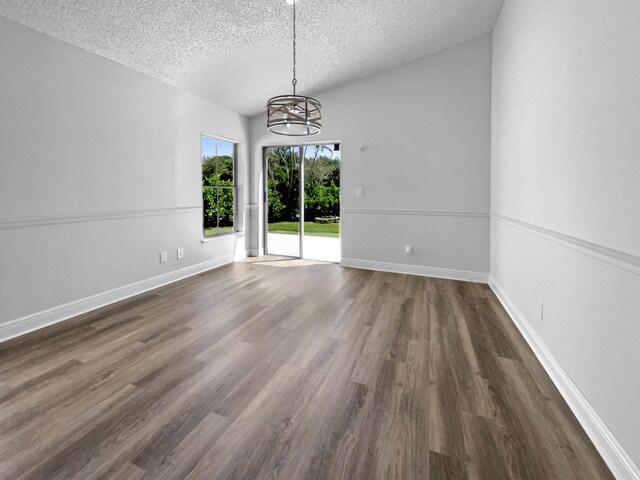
217 188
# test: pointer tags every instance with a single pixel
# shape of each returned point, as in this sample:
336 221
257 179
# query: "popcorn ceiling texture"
237 53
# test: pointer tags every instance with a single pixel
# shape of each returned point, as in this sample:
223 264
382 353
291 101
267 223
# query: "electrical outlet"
163 257
408 250
360 192
541 311
180 253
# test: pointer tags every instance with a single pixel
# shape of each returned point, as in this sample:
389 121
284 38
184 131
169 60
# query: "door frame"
265 195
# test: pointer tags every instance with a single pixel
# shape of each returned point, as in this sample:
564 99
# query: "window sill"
210 239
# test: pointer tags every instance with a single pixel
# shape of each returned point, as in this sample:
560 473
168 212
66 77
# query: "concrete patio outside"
314 248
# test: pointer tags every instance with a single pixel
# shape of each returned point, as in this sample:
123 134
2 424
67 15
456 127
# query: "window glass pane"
209 160
225 204
224 148
210 211
225 169
218 162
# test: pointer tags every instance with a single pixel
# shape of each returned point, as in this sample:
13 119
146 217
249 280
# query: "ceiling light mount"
294 115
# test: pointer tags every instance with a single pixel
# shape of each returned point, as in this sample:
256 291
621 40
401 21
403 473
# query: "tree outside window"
218 185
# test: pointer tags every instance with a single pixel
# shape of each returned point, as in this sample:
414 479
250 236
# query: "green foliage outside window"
217 172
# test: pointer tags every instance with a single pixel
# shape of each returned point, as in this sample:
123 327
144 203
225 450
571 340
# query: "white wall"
565 177
425 129
99 172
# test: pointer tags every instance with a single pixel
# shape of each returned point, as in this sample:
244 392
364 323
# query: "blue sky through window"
213 146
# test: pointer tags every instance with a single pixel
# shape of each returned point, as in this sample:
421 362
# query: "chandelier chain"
294 81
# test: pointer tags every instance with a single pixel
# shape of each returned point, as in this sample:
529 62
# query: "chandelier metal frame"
294 115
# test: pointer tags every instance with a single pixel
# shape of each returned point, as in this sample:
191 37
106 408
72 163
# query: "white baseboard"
447 273
616 458
36 321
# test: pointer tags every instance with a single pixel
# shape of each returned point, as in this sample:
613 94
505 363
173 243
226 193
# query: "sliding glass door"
302 201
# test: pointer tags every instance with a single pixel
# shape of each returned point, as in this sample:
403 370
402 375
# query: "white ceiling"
237 53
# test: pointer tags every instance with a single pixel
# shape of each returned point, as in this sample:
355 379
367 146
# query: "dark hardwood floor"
291 370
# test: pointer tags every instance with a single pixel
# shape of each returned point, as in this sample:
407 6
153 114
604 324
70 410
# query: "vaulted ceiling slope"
237 53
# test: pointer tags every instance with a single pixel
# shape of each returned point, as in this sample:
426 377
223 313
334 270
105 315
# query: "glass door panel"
283 201
321 240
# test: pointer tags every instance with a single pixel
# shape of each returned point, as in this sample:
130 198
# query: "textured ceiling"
237 53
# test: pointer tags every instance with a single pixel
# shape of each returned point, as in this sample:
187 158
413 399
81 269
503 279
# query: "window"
218 185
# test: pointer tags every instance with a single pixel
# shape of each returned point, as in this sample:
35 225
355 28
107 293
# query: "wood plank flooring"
285 369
